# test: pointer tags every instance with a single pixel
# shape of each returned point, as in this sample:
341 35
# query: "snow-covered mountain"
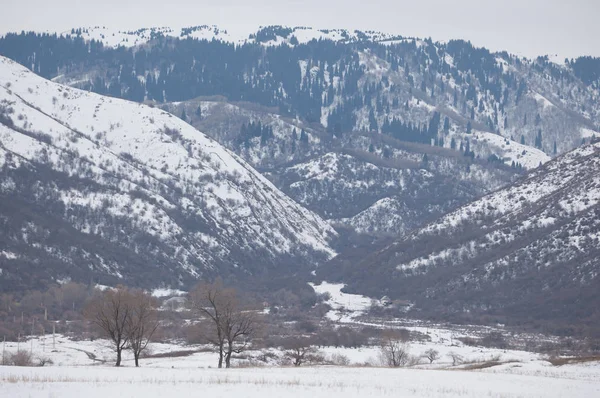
342 81
286 104
529 251
268 36
369 182
93 186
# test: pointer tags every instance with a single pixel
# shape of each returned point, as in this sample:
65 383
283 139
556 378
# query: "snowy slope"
342 181
518 251
130 38
121 38
145 173
362 191
510 151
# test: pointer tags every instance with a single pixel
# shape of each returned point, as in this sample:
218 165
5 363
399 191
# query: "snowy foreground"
327 382
79 370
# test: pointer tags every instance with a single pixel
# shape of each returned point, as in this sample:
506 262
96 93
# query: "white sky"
568 28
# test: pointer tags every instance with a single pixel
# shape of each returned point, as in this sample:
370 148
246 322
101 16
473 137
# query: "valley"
325 212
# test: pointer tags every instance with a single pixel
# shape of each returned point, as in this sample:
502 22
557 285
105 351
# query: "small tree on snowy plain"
142 322
431 355
127 318
394 350
456 358
300 351
110 311
233 324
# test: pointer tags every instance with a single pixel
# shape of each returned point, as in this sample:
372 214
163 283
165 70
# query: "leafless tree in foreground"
394 349
142 322
110 311
127 318
233 324
431 355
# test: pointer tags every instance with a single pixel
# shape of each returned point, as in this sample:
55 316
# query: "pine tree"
373 122
446 125
303 137
538 140
554 150
183 115
522 139
452 143
199 112
371 148
469 128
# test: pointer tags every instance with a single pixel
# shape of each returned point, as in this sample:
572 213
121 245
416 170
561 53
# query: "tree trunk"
137 359
228 355
118 357
220 357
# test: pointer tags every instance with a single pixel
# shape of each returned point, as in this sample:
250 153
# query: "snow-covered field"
84 367
330 382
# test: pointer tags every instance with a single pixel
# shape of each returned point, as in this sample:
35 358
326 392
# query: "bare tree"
240 326
431 355
394 349
300 350
233 325
110 311
142 322
456 358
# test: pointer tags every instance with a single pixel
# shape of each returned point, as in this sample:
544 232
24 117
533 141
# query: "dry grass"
174 354
225 380
482 365
559 361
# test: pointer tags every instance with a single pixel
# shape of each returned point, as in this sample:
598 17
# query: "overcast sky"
567 28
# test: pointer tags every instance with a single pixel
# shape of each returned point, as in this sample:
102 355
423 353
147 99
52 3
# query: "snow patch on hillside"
344 306
485 143
543 100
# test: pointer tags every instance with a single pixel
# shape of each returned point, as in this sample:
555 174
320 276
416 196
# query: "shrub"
43 361
470 341
339 359
494 340
20 358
